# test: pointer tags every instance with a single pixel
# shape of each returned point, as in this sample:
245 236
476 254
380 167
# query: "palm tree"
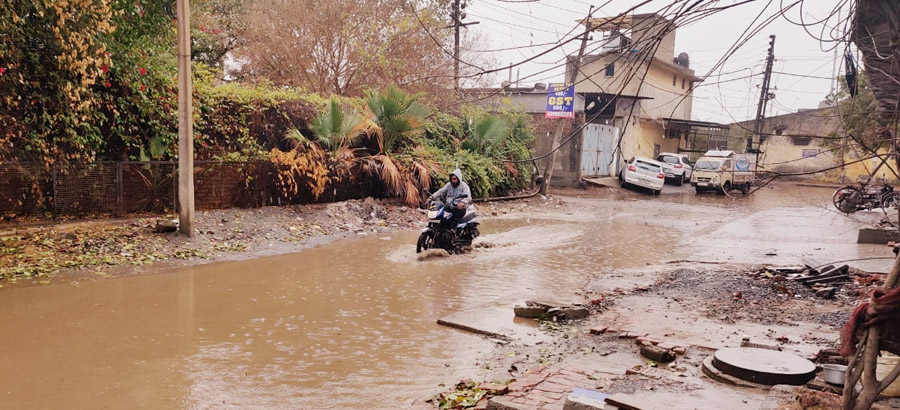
338 130
486 134
399 116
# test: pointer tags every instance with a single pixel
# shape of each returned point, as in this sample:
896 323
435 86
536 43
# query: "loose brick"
648 339
494 388
543 396
553 387
680 350
599 330
665 344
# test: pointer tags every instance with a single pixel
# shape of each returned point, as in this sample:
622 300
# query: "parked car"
677 167
643 172
722 171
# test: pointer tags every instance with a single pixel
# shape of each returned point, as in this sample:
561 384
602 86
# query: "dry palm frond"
411 192
512 169
423 175
390 174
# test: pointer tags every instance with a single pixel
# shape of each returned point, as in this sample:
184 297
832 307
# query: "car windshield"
707 165
647 166
668 159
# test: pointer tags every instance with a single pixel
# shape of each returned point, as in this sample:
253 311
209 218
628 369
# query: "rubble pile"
826 281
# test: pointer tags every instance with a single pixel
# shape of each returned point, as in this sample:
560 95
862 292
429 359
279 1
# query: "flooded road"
352 324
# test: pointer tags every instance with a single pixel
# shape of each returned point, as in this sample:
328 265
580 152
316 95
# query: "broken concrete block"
657 354
826 293
506 403
530 311
575 312
585 399
166 225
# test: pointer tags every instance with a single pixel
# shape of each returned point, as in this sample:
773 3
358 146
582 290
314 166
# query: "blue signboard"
560 101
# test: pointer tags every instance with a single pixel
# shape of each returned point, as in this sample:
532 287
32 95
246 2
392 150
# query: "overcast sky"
511 23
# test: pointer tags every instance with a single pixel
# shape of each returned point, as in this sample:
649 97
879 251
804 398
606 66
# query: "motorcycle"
454 239
850 199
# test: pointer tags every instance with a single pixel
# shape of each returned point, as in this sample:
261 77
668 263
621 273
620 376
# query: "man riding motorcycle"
456 195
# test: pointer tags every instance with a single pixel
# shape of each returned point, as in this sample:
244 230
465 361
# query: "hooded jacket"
452 195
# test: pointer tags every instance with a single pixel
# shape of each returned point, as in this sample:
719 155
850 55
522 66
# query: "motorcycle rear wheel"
846 199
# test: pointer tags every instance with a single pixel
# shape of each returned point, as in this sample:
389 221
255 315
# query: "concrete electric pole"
185 122
764 97
457 15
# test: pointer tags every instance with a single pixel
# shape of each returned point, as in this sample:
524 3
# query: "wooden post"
185 122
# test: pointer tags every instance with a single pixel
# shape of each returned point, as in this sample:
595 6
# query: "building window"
682 83
801 141
611 70
674 80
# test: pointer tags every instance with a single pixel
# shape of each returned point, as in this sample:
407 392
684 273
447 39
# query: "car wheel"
657 192
700 190
681 180
746 188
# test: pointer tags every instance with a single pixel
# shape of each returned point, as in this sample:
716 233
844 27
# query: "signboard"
810 153
560 101
744 162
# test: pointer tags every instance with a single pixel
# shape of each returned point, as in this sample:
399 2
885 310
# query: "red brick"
679 350
572 383
494 388
666 345
553 387
482 404
543 396
599 330
648 339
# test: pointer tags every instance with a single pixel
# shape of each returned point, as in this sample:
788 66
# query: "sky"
803 66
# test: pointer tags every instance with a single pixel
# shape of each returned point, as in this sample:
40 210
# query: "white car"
677 167
643 172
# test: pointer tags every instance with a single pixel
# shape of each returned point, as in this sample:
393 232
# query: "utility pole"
185 122
764 97
571 76
457 15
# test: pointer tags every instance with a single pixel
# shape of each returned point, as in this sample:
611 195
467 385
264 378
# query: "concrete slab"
764 366
498 322
611 182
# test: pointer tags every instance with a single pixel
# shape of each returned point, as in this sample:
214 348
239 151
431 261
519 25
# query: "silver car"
677 167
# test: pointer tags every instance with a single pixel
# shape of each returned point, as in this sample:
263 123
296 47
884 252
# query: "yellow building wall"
854 168
666 100
783 156
642 136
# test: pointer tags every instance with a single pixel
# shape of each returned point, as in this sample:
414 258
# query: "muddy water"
348 325
352 324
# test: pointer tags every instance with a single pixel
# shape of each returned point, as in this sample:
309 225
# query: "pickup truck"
722 171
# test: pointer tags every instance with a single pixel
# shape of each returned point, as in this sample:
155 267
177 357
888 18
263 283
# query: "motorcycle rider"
456 195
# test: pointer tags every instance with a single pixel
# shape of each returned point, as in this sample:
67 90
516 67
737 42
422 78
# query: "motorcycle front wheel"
425 242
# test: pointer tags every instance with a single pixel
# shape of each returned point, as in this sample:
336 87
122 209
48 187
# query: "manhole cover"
764 366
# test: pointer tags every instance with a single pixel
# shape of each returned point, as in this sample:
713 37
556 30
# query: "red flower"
141 12
105 54
104 68
142 87
218 31
142 70
107 84
2 70
203 28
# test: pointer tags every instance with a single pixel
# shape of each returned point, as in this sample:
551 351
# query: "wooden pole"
185 122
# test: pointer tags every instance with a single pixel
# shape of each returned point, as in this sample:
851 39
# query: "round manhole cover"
764 366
